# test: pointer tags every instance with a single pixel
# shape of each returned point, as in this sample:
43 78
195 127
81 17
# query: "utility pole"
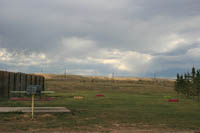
154 76
41 71
113 76
95 73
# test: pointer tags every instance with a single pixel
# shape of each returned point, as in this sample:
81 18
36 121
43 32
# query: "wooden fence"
10 81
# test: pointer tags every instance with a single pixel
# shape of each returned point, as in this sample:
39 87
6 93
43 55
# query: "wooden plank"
29 80
33 79
23 82
11 81
5 84
37 109
1 84
26 76
48 92
18 92
15 84
38 80
43 83
18 82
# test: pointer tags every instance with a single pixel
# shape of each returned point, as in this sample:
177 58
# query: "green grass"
125 103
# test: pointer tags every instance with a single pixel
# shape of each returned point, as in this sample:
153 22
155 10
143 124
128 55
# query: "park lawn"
140 104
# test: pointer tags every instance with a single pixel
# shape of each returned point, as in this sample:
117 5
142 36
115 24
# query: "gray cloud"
172 8
131 37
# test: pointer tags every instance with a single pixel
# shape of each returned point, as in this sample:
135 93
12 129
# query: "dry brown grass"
79 77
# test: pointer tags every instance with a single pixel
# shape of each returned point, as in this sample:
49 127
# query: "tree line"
188 84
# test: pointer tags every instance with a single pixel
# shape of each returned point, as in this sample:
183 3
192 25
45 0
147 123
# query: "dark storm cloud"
40 24
180 50
172 8
158 32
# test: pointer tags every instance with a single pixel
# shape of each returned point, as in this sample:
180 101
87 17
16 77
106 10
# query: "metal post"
33 106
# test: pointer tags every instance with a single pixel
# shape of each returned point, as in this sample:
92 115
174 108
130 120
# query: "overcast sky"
97 37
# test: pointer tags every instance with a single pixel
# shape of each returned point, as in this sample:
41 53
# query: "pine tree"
197 84
187 84
193 72
193 87
182 85
177 84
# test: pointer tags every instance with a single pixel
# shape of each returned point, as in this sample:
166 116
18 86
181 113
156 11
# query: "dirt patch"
108 130
96 129
151 130
47 116
27 115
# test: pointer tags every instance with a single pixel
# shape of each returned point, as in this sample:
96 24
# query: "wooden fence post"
11 81
43 83
23 82
33 79
1 84
5 84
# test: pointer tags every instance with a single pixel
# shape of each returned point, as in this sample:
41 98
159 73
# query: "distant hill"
89 78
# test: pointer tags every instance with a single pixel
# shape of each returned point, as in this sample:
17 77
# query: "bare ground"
120 130
102 130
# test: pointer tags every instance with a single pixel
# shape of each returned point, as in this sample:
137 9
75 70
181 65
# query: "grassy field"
128 104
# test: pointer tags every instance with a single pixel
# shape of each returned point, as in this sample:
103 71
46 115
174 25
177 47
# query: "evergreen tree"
182 85
193 72
193 85
189 83
177 84
197 84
